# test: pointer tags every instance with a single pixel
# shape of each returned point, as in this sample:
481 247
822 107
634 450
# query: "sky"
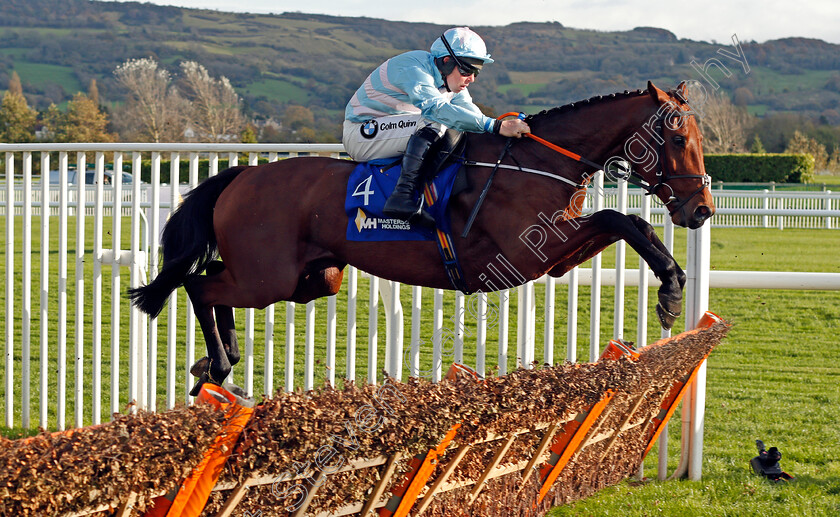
703 20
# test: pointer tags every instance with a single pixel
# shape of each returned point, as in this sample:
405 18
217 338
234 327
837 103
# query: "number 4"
367 192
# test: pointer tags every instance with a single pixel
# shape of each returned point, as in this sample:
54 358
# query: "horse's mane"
585 103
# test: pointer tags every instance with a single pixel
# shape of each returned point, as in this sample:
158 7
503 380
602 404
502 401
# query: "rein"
630 176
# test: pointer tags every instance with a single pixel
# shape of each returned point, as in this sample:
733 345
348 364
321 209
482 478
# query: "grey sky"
705 20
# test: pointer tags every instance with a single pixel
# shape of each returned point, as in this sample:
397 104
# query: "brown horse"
279 228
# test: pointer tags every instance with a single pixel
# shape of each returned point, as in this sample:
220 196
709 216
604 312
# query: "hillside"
58 46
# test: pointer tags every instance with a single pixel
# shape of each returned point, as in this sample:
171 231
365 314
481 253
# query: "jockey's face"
458 82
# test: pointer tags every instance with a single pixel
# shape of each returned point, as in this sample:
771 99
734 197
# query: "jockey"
418 102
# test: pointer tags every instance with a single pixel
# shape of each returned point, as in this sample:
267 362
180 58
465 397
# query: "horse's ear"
679 92
656 94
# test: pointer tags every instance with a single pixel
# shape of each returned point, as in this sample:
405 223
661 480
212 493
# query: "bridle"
663 176
628 174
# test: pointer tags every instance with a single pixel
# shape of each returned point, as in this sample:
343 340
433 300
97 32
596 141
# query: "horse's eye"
679 140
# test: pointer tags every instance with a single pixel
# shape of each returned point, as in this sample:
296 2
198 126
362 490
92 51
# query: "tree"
743 96
82 122
14 84
93 92
17 119
298 117
216 110
724 126
800 143
155 110
249 135
757 147
834 161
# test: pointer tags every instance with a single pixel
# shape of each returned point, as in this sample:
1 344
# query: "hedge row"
736 168
760 168
184 168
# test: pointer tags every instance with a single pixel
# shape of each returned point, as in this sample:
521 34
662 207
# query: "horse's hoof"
666 317
202 379
424 219
200 366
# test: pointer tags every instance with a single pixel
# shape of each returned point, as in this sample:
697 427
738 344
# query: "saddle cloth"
368 188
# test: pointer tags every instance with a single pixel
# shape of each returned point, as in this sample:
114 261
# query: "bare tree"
724 125
216 110
155 112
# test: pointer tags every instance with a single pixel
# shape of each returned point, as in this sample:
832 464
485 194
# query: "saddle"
372 182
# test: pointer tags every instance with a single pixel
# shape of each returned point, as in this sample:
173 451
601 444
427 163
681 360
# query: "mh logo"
249 514
363 222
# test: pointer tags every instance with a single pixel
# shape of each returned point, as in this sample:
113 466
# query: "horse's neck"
596 132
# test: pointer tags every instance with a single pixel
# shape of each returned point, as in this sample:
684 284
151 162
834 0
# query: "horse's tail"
188 242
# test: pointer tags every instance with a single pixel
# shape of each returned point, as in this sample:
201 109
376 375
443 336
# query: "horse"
279 228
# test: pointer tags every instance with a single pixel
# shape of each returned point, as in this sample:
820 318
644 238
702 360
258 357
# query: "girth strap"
447 249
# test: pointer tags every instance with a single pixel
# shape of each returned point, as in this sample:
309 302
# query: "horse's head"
677 177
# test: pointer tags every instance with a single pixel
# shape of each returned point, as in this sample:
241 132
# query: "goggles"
468 71
464 68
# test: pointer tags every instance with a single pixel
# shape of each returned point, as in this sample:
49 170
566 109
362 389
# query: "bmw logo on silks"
369 129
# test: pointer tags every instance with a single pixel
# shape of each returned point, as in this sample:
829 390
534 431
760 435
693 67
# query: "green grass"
769 80
828 180
775 377
277 89
41 74
757 109
526 89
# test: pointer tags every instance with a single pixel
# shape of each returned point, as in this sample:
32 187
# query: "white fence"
138 352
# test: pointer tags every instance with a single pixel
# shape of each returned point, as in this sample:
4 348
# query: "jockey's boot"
444 148
401 203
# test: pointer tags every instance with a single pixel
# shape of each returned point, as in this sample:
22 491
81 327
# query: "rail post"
697 303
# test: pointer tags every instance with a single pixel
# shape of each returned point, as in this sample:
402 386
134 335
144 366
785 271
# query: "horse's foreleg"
585 237
650 234
669 309
640 235
319 278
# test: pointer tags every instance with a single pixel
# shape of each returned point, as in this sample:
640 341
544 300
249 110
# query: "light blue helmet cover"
464 43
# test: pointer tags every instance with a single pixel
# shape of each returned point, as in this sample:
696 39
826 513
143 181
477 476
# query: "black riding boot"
401 203
443 150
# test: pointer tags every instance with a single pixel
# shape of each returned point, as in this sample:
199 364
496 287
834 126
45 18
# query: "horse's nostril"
702 212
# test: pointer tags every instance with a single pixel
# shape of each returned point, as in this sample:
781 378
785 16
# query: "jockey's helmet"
465 47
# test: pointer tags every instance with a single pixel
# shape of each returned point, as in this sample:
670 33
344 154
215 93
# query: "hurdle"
527 441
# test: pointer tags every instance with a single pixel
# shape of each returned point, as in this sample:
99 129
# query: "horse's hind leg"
224 320
219 365
225 327
227 331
